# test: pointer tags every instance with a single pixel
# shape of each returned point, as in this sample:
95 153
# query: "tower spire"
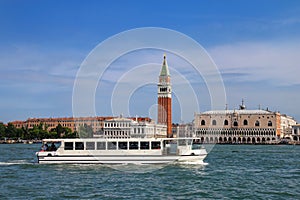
242 107
164 69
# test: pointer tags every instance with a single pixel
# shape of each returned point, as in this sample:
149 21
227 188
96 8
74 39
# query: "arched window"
257 123
214 122
269 123
245 122
202 122
225 122
235 123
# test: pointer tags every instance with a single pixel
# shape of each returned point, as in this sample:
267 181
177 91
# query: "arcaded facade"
238 126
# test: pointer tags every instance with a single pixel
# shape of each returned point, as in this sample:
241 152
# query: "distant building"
164 94
182 130
241 126
129 128
97 123
286 125
71 122
295 136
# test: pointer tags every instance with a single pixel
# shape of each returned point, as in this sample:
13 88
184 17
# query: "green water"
231 172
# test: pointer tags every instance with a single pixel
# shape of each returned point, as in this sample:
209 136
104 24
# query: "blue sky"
255 45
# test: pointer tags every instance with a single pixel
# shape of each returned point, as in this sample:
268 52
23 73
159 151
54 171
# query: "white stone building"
286 125
242 126
296 133
129 128
182 130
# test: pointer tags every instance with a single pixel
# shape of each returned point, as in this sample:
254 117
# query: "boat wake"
194 163
137 167
16 162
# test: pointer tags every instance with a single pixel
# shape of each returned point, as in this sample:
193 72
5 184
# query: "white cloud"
263 73
32 64
246 62
277 62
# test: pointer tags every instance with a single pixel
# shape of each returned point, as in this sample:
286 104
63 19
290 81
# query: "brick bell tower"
165 98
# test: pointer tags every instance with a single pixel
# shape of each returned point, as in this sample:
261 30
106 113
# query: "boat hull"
93 159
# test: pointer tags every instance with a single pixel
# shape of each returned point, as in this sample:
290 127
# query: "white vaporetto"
121 151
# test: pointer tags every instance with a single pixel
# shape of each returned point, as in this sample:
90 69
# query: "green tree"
26 134
2 130
43 132
20 133
85 131
70 134
61 132
11 131
52 134
34 133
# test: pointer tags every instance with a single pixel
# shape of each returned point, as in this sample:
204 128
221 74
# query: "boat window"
144 145
182 142
53 146
68 145
79 146
133 145
101 145
155 145
90 146
196 146
171 148
111 145
122 145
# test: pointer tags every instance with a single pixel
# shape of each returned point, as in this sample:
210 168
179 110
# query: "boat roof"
113 140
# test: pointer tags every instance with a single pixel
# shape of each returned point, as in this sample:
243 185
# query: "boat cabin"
169 145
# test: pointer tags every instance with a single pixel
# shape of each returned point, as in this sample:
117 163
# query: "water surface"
231 172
